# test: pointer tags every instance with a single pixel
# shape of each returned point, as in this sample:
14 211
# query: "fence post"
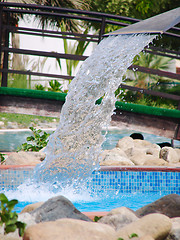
6 54
102 29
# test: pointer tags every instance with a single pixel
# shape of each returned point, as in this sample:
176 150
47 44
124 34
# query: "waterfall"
73 149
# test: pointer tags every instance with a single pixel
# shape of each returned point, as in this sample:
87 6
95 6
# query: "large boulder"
119 217
56 208
115 157
70 229
24 158
155 225
31 207
125 143
168 205
169 154
175 230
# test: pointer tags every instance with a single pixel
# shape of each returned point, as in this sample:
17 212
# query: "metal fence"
8 11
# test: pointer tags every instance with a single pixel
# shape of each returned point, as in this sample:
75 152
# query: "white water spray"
74 148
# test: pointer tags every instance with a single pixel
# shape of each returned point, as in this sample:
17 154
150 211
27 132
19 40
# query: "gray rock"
119 217
56 208
175 230
168 205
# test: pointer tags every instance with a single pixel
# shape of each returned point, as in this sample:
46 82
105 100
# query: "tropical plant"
36 142
55 86
76 48
39 87
8 217
147 60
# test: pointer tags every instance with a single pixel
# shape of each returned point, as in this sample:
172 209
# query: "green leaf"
12 203
5 217
133 235
10 228
3 198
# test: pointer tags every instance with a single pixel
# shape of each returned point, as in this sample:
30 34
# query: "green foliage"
17 81
24 120
2 158
9 218
36 142
130 236
39 87
96 218
77 48
150 61
55 86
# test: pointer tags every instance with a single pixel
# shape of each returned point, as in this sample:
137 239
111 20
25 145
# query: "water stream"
73 150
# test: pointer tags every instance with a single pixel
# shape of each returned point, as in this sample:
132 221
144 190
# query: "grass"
25 121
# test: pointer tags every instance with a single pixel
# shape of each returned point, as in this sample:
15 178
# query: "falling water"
73 149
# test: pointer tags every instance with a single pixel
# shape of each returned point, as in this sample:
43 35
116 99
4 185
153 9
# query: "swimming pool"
10 140
109 188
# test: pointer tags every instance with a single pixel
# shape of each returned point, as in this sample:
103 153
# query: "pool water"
104 203
104 191
12 139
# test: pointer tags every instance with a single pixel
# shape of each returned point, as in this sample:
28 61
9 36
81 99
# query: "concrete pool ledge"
109 168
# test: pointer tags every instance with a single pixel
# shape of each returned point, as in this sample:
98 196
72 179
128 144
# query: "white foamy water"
74 148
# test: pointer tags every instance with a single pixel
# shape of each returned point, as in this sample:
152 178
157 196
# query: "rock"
150 160
147 147
168 205
56 208
155 225
177 150
115 157
26 218
22 158
169 154
175 230
70 229
125 143
7 237
119 217
31 207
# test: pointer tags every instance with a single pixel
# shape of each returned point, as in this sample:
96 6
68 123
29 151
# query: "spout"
157 24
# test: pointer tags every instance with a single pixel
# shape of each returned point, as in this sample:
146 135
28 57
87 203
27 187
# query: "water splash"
74 148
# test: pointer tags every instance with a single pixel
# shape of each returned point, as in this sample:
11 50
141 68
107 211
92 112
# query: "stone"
56 208
154 225
119 217
169 154
141 143
70 229
22 158
175 230
125 143
115 157
31 207
168 205
150 160
177 150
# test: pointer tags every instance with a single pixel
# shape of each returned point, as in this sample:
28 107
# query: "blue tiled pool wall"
137 181
123 181
11 179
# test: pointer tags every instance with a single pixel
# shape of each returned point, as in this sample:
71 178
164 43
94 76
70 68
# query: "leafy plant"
130 236
8 218
55 86
39 87
96 218
2 158
36 142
